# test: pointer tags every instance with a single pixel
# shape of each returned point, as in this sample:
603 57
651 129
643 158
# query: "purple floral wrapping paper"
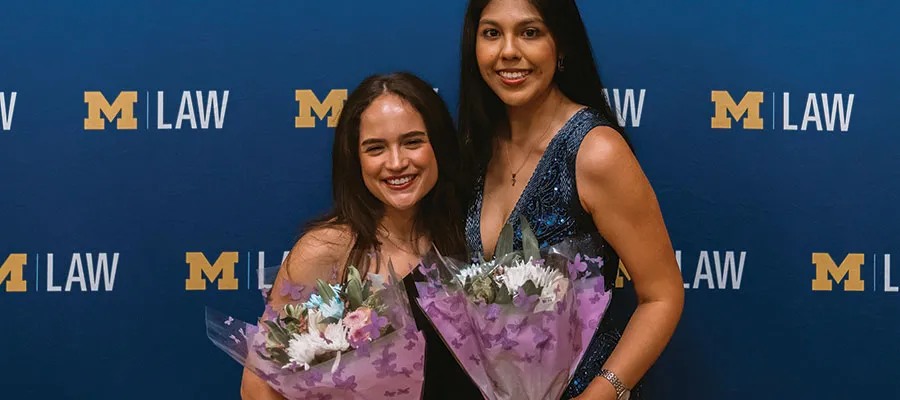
510 350
388 367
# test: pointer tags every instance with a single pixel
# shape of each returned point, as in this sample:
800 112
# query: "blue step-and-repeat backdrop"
768 129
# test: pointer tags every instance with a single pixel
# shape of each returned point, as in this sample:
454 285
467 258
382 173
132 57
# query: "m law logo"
101 272
123 108
835 113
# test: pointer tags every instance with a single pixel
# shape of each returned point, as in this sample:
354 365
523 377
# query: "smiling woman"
530 93
396 178
398 162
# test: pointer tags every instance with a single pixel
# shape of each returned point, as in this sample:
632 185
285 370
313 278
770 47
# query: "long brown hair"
440 213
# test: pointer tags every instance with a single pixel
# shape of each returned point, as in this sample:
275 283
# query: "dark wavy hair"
482 113
440 212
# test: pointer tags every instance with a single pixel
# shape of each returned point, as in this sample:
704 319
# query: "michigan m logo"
621 275
725 104
200 266
122 106
11 273
848 271
310 104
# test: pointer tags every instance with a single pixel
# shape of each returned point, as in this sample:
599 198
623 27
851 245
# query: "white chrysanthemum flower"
551 282
303 348
336 337
515 276
472 271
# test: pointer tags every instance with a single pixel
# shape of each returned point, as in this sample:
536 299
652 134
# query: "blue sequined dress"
550 204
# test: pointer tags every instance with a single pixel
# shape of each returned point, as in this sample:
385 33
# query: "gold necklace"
412 250
528 154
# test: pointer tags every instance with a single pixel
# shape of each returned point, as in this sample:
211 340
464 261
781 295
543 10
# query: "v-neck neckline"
528 185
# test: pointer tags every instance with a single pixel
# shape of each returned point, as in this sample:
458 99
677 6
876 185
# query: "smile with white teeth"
513 74
400 181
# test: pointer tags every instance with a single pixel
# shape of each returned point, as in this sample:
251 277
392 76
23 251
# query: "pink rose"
356 321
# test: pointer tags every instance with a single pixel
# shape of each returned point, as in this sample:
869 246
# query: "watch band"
614 380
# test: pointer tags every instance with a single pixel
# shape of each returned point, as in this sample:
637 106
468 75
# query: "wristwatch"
622 391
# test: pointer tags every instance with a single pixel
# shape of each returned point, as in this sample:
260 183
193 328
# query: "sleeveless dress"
551 206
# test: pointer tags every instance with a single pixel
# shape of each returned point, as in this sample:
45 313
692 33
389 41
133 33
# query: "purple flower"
271 378
270 314
384 364
476 359
311 377
504 340
340 383
288 288
598 260
542 338
492 312
576 266
427 270
410 333
515 328
523 300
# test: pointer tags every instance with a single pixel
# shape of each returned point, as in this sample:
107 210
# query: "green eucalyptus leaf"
280 356
530 246
354 288
277 333
505 242
503 296
367 290
325 291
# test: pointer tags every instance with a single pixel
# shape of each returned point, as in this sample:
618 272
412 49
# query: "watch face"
626 395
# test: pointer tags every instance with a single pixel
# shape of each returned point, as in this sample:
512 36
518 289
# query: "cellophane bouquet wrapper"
519 325
371 350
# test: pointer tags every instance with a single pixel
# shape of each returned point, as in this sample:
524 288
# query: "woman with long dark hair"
396 176
547 146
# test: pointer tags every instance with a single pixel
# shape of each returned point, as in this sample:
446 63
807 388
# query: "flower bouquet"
352 341
520 323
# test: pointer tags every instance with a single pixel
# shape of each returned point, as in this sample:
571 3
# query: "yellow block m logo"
123 104
620 279
725 104
848 271
11 273
310 104
200 266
